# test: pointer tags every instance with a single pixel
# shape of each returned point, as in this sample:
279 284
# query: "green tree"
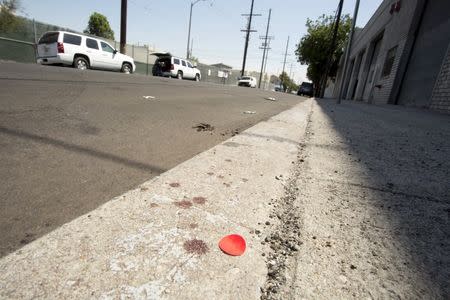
99 26
8 20
274 79
193 59
314 47
288 83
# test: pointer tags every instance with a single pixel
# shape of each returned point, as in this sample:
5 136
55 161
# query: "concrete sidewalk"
335 201
375 205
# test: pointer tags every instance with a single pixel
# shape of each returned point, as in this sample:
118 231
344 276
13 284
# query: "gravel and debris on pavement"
203 127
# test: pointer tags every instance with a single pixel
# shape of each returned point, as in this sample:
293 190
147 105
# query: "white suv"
169 66
247 81
81 52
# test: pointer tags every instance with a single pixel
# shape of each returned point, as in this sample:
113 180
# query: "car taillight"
172 67
60 48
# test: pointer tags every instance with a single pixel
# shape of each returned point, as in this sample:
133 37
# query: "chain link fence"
18 43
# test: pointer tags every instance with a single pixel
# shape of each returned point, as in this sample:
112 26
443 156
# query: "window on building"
72 39
389 62
90 43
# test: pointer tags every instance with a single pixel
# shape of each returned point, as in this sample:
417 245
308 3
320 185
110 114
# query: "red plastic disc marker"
233 244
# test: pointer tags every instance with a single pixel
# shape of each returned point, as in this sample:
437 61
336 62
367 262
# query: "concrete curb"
160 240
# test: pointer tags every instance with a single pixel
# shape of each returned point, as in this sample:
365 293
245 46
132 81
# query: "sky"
216 26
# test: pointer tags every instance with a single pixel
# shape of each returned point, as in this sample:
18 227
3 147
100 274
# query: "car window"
246 78
90 43
106 47
189 65
183 63
72 39
49 38
176 61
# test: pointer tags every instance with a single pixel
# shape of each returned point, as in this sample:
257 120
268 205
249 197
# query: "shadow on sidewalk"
406 154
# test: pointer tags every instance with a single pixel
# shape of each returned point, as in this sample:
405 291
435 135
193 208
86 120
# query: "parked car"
306 89
167 65
81 52
278 88
247 81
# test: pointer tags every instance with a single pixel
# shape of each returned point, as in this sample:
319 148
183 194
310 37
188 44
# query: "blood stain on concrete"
193 225
195 246
199 200
244 179
153 205
228 160
143 189
183 204
174 184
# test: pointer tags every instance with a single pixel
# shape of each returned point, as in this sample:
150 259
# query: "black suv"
306 89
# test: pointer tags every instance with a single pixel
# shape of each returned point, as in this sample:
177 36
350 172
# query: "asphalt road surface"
72 140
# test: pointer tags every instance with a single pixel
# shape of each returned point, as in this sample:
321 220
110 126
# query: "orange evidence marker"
233 244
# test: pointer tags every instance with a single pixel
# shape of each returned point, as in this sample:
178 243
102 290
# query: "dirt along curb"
160 240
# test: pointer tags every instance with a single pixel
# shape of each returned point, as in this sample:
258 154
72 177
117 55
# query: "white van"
169 66
81 52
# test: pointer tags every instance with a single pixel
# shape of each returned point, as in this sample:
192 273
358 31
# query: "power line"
145 8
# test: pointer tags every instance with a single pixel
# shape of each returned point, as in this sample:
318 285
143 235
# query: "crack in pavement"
285 239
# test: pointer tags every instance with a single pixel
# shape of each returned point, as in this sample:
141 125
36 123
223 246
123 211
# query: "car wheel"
197 77
126 68
80 63
180 75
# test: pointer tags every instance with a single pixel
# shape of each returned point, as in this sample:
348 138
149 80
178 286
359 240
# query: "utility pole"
290 70
332 49
284 63
347 52
265 47
123 26
265 62
247 38
189 30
